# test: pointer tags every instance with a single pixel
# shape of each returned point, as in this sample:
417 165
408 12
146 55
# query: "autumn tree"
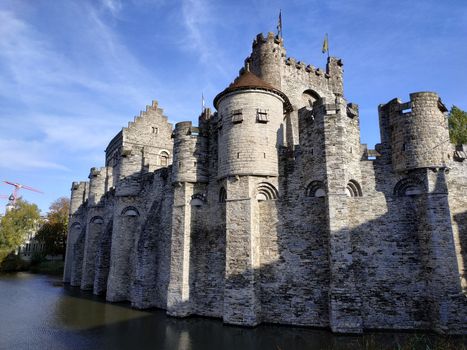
53 232
458 126
15 226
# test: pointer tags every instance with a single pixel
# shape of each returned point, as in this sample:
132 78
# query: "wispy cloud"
52 88
26 155
200 25
114 6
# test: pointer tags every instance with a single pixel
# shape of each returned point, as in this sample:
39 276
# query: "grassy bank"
38 264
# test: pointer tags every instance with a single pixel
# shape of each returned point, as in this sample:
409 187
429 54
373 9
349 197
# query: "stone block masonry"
270 210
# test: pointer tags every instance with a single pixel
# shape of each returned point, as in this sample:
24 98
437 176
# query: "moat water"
37 312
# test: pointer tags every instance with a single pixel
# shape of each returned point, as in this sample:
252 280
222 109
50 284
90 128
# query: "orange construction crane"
14 196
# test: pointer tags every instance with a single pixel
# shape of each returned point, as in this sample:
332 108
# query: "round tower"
419 133
78 196
251 127
190 154
266 57
97 182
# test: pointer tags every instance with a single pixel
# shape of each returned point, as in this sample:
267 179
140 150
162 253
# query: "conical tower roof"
247 81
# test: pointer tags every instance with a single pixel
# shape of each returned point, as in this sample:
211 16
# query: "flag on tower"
279 25
325 44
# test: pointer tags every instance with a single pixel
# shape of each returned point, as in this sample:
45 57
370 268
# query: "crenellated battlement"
270 39
269 62
416 132
272 196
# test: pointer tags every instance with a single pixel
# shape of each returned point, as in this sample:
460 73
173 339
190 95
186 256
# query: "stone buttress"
271 210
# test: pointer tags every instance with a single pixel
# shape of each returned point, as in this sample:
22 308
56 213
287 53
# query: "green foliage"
13 263
15 226
53 232
458 126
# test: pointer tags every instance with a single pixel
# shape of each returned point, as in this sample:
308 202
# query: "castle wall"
294 261
103 258
388 261
94 225
77 260
284 219
457 186
77 220
126 227
242 257
153 245
208 254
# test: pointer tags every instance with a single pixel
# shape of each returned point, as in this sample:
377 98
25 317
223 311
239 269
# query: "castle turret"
266 57
251 130
416 132
335 72
415 138
98 179
190 175
190 154
79 193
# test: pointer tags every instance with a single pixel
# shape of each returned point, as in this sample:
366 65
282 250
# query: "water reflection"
44 315
77 313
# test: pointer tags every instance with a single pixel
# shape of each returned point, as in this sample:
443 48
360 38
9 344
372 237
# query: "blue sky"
72 73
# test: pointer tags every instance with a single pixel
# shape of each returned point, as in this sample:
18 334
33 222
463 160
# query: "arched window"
97 220
164 158
309 98
222 195
409 187
315 189
130 211
75 226
266 192
353 189
198 199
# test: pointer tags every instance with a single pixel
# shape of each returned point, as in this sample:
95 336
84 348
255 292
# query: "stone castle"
271 210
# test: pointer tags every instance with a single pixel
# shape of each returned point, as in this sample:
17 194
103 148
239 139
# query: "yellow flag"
325 44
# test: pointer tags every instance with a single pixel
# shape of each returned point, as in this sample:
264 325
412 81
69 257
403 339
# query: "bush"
14 263
37 258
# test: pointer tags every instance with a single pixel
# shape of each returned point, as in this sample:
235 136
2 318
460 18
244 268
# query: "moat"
39 313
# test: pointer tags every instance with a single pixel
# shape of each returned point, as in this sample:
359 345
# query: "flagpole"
327 38
202 103
279 25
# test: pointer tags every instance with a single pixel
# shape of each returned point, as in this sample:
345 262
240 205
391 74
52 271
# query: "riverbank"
44 266
42 314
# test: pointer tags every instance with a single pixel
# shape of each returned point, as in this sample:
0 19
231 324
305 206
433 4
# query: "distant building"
271 210
31 246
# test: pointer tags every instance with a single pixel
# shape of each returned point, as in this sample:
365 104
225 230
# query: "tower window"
237 116
164 158
155 130
262 115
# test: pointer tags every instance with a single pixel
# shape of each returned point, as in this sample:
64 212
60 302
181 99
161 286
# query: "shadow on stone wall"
391 264
461 221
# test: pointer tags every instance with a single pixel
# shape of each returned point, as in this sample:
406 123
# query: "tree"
15 226
458 126
54 230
